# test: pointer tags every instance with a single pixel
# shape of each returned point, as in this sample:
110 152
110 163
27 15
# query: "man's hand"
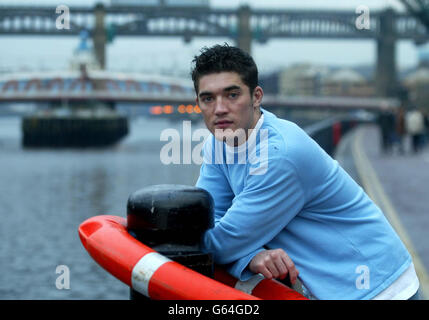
274 264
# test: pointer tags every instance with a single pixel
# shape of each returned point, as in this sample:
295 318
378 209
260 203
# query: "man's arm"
258 214
213 180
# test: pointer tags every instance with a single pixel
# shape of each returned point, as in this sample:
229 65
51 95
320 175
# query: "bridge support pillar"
244 37
386 77
99 36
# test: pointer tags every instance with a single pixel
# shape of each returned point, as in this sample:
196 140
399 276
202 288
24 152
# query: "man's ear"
258 93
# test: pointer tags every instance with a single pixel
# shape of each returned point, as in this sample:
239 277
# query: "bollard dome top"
167 210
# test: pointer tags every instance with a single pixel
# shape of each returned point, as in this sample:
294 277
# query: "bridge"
83 82
74 87
261 24
243 25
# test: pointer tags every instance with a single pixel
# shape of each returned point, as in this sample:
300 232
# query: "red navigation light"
181 108
156 110
168 109
189 108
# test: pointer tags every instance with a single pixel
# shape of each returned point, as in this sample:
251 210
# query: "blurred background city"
87 87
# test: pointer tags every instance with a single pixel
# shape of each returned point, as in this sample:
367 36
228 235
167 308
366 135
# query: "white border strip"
144 270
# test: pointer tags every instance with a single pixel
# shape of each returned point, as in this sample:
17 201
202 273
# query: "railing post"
171 219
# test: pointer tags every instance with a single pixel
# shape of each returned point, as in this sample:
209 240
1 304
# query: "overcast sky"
150 55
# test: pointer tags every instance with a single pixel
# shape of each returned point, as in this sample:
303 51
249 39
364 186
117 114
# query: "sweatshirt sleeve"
212 179
265 206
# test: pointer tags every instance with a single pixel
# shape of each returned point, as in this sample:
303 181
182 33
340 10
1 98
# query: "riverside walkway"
398 184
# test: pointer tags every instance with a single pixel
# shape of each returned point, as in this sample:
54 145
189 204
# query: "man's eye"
207 99
233 95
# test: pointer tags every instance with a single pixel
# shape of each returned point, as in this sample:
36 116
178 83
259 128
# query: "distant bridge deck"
110 87
208 22
76 81
331 103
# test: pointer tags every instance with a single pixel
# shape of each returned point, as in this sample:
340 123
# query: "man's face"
227 104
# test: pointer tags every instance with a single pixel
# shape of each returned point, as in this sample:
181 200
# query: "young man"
282 205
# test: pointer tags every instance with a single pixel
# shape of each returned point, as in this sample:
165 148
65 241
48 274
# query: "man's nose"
220 106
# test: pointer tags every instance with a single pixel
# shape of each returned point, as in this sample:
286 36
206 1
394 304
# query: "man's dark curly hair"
224 58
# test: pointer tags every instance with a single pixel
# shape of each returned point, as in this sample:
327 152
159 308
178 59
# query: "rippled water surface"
45 195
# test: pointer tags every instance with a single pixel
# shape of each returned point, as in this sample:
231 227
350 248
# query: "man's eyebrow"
230 88
204 93
233 87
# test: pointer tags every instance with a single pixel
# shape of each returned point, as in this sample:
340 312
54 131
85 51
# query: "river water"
46 194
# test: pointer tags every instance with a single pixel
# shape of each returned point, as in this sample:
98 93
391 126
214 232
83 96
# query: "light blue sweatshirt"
288 193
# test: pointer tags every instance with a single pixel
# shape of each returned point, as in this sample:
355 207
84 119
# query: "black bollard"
171 219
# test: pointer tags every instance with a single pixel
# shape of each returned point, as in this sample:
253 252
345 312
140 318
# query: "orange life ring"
108 242
259 287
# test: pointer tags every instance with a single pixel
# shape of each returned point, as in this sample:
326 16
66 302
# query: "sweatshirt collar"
252 137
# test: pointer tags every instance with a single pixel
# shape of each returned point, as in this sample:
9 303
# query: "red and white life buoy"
259 287
108 242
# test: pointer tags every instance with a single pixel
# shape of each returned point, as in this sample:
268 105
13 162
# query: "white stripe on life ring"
144 270
249 285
